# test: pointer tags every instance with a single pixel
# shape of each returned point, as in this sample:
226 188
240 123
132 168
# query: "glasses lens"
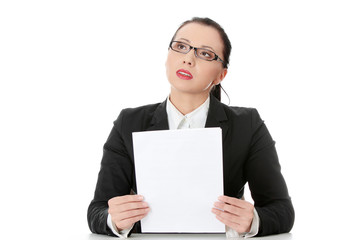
205 54
180 47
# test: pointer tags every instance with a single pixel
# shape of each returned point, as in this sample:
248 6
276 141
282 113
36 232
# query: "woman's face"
189 74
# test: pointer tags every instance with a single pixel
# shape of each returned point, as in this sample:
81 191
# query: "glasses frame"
216 58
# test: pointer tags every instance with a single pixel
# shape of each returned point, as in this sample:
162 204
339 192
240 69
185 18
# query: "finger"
129 214
234 209
227 222
229 208
124 199
243 218
114 209
226 215
132 206
124 224
237 227
234 201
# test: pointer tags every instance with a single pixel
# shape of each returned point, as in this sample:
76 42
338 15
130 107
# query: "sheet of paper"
180 174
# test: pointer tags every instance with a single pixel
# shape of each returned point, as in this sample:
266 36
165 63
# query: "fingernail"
140 197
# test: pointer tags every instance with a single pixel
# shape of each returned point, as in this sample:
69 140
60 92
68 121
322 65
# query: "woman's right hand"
127 210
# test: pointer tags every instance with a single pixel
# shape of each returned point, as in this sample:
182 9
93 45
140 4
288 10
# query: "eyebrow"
203 46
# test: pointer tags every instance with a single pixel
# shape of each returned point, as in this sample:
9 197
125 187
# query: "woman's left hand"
235 213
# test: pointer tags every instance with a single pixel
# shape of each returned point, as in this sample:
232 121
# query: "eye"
206 54
181 46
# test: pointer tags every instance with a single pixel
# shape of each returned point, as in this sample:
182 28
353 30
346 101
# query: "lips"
184 74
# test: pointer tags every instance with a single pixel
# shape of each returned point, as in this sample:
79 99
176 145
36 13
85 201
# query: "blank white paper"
180 174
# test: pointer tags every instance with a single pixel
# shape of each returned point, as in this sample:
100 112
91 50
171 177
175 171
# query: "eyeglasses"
202 53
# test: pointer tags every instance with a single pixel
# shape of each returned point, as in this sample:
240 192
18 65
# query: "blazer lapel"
160 119
217 116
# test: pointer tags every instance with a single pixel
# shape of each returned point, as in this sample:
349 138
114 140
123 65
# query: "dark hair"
216 91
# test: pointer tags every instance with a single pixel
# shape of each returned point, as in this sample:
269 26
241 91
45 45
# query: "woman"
196 64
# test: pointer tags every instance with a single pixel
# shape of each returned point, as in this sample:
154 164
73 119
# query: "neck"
186 103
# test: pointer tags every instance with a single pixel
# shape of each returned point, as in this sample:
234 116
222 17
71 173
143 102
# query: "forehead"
201 35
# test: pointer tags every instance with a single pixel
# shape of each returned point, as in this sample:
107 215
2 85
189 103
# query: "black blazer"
249 155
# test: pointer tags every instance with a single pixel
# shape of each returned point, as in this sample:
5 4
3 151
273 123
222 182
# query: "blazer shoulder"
136 112
141 110
246 115
138 117
236 111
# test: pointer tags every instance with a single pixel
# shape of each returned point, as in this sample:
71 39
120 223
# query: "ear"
221 76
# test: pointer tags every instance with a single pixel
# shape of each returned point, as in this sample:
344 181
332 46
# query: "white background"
67 68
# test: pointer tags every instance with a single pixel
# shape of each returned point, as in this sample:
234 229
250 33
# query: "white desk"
286 236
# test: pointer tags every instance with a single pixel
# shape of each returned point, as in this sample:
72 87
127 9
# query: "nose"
189 58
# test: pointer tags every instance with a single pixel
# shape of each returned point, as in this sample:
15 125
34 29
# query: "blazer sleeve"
114 179
267 185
